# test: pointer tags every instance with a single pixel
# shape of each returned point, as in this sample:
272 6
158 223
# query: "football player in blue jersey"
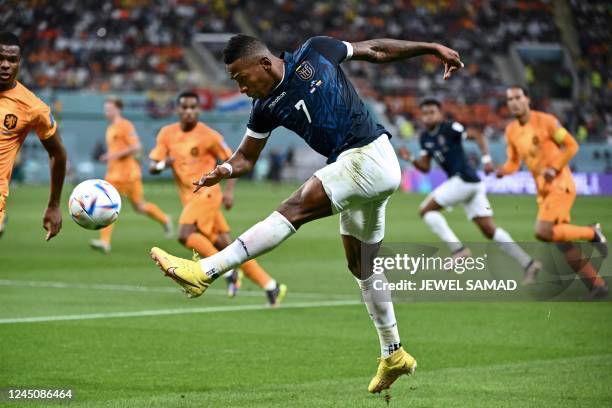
307 92
442 141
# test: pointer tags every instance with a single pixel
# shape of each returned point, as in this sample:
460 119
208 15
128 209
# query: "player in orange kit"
123 171
21 112
538 140
191 148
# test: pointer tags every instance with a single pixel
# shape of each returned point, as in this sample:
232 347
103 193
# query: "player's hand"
212 178
488 168
499 173
549 174
228 200
103 158
404 153
450 58
169 161
52 222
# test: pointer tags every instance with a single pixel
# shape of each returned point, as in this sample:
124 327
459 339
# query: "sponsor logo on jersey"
305 71
10 121
314 84
278 98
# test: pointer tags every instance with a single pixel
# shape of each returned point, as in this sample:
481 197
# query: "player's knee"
183 235
291 210
543 234
488 230
139 207
423 211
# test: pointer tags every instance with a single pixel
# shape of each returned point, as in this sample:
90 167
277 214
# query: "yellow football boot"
390 368
185 272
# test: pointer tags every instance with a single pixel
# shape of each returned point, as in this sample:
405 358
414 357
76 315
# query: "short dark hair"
115 100
8 38
240 46
430 102
187 94
521 87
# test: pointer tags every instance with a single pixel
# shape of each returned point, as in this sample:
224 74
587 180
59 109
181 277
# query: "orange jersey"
120 136
20 112
541 143
195 153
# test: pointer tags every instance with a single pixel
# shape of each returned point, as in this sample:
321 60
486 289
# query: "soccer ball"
94 204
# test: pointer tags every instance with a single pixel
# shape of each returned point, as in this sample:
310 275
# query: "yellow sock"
569 232
155 212
256 273
200 244
106 234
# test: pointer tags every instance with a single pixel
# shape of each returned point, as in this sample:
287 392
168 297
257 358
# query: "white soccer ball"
94 204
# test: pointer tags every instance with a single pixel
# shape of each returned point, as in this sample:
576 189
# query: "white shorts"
359 184
455 191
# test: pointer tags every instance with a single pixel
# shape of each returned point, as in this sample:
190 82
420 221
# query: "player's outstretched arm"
52 219
388 50
241 162
423 163
483 145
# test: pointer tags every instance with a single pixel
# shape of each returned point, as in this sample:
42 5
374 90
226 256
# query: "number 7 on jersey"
302 105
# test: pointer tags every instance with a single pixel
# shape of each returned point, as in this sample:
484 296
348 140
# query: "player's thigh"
307 203
450 193
365 222
478 206
135 193
201 212
361 175
556 206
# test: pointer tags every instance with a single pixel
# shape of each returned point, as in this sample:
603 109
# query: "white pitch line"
158 289
165 312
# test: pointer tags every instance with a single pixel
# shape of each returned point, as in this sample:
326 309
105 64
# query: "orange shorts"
556 206
133 190
204 211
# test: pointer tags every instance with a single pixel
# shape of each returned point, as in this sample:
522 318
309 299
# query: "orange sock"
155 212
569 232
256 273
106 233
200 244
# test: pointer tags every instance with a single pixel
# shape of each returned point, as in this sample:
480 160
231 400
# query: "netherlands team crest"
305 71
10 121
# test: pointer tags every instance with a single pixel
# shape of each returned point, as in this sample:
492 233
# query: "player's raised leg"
548 231
308 203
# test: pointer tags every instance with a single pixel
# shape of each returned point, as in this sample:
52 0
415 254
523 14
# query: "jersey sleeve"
513 160
160 151
260 125
424 151
457 131
44 123
220 149
334 50
129 133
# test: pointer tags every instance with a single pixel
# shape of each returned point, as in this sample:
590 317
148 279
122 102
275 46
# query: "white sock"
382 314
271 285
438 225
259 239
511 248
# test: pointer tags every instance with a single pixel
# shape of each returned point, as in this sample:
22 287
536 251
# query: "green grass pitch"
320 352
